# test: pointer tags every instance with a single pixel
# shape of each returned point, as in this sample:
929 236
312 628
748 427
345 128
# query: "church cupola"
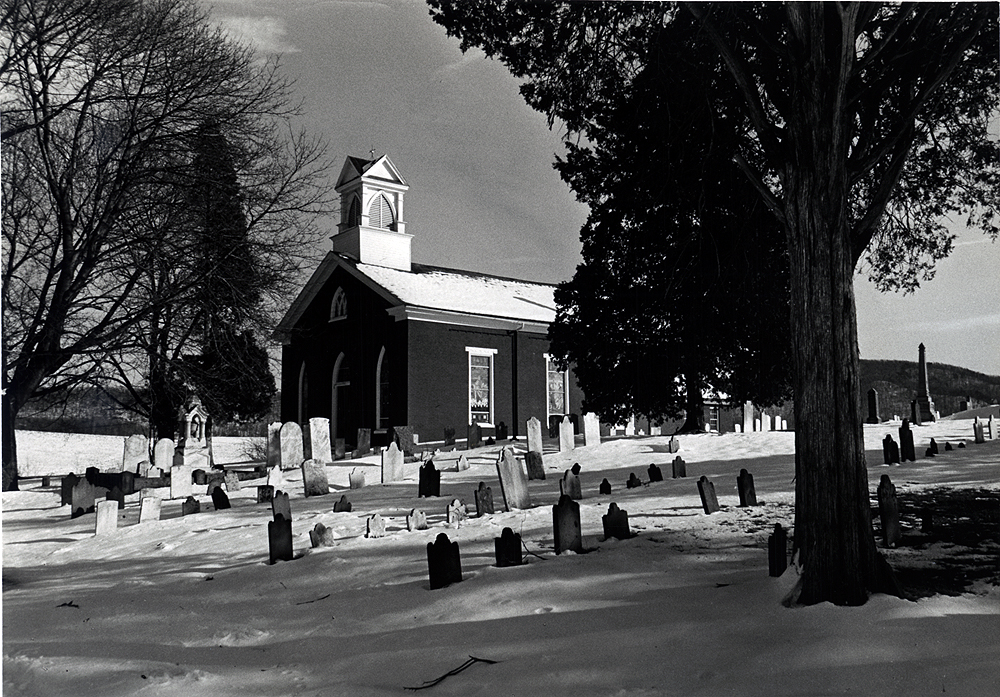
371 228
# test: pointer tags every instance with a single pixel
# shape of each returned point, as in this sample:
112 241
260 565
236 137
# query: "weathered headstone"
456 512
232 481
947 446
274 445
275 478
513 481
706 489
533 461
136 450
444 563
428 480
149 509
507 548
961 444
314 479
605 487
290 440
746 489
181 481
375 526
633 481
475 436
416 520
107 517
265 493
777 551
990 429
534 435
402 436
873 417
83 498
567 440
978 432
279 540
116 495
484 500
673 444
356 479
890 450
888 510
449 436
655 473
906 447
616 523
220 499
364 442
392 464
678 468
66 489
316 440
569 485
463 463
190 506
501 431
748 420
280 508
343 505
591 429
199 477
566 526
321 536
339 449
163 455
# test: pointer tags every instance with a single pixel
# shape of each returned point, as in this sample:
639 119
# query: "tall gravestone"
890 450
181 481
569 485
534 435
567 441
507 549
616 523
136 450
290 441
314 479
567 532
888 510
428 480
873 417
444 563
316 440
748 420
709 501
392 464
364 442
591 429
163 454
193 448
274 445
484 500
746 489
513 482
402 436
924 406
107 517
907 452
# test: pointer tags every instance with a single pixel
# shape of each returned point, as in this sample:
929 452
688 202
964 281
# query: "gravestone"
673 444
888 510
449 436
392 464
274 445
107 517
591 429
402 436
456 512
501 431
507 548
962 444
280 508
356 479
678 468
709 501
765 422
339 448
566 526
193 447
416 520
136 450
484 500
616 523
475 436
149 509
163 454
316 440
232 481
534 435
990 431
570 485
279 540
947 446
978 432
654 472
748 420
375 526
314 479
890 450
463 463
428 480
290 441
321 536
265 493
633 481
82 499
199 478
906 448
190 506
567 441
364 442
873 417
343 505
513 482
777 551
220 499
444 563
181 481
605 487
275 478
116 495
66 489
746 489
533 461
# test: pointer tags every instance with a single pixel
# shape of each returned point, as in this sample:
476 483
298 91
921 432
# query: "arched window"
380 214
354 212
338 308
382 391
340 406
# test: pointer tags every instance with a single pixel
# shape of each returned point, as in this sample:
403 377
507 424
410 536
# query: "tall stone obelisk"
923 404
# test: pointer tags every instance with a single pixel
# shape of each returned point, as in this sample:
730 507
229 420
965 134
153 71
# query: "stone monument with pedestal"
192 443
923 405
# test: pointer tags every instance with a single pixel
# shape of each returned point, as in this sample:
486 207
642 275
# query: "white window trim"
491 353
565 373
333 304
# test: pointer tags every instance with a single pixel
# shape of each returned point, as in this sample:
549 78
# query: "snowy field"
188 606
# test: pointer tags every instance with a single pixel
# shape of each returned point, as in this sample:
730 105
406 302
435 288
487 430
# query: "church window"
354 212
557 388
481 385
338 308
380 214
382 386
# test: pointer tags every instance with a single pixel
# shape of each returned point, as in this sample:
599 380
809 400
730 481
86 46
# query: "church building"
374 340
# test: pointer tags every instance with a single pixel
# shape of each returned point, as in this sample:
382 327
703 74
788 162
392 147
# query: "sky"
483 194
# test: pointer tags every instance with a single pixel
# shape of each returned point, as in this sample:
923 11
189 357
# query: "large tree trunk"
694 409
9 443
833 531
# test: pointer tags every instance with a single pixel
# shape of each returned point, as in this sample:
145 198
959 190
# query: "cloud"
958 324
265 34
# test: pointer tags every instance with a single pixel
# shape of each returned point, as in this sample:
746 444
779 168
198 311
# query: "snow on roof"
465 291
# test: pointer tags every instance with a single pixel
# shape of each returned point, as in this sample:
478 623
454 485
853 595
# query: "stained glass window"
556 388
480 388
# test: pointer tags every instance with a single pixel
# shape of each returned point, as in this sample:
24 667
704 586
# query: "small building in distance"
375 341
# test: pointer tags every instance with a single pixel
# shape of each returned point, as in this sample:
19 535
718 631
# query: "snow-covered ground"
189 606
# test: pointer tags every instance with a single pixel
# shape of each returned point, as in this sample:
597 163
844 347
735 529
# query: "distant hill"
949 385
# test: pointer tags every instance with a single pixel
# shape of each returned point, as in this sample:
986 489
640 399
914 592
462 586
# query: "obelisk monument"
923 406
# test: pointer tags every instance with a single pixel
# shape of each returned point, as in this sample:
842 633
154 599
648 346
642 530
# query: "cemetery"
379 572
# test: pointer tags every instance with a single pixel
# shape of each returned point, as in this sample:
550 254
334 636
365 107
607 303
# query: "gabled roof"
437 294
380 168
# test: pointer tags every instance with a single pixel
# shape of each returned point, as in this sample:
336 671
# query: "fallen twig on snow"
432 683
